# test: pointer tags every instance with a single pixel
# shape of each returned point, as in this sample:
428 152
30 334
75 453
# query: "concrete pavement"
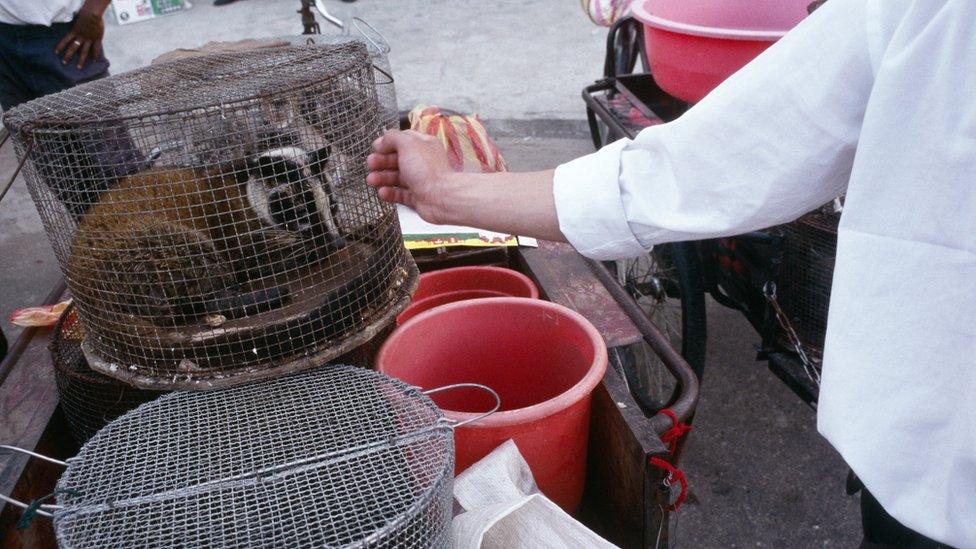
504 59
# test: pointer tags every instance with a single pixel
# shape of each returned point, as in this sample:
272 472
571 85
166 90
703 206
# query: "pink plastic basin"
460 283
693 46
543 360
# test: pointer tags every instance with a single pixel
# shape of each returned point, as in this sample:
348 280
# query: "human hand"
411 168
85 36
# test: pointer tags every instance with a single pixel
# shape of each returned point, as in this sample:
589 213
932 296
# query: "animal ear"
318 158
252 166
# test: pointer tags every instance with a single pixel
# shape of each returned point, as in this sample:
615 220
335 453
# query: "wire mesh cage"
89 399
338 456
379 52
211 216
806 275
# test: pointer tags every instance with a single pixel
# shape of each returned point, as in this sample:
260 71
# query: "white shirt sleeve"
775 140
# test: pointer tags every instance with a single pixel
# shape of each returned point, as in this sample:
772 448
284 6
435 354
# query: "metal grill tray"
338 456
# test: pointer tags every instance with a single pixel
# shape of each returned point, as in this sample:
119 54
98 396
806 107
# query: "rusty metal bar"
687 395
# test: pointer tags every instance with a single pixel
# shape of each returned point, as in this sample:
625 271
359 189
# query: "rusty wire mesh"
379 51
211 216
806 274
89 399
334 457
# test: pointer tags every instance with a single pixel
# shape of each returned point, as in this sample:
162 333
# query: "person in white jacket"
872 98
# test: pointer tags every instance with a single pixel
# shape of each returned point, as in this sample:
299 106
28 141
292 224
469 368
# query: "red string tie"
671 437
677 430
674 474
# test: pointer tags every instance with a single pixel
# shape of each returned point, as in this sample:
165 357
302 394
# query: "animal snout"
289 211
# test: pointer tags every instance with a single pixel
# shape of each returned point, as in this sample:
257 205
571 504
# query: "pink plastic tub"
437 288
542 359
694 45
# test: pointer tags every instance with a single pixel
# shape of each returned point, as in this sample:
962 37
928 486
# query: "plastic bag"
503 508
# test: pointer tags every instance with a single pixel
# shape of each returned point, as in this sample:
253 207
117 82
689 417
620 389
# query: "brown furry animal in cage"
182 242
211 214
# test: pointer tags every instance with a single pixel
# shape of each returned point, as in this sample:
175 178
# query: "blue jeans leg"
77 161
30 68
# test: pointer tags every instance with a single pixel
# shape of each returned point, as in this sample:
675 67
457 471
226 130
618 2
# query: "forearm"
508 202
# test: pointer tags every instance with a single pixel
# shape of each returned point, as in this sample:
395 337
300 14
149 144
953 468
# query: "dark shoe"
223 2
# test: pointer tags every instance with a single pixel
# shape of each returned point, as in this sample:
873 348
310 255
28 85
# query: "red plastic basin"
544 360
693 46
460 283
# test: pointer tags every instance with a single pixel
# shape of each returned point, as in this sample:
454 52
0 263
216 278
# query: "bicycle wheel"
668 285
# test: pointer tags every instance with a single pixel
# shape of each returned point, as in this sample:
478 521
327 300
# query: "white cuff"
588 205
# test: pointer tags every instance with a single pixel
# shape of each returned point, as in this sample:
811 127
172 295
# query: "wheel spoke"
653 282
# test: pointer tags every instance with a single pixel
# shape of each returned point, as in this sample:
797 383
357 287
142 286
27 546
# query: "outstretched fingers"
398 195
72 47
383 179
382 164
381 161
83 56
388 142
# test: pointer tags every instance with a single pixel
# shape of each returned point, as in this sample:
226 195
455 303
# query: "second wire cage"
211 214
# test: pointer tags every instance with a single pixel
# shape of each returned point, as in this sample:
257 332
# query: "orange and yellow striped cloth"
469 147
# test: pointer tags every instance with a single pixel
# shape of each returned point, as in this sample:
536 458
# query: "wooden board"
564 278
28 400
621 440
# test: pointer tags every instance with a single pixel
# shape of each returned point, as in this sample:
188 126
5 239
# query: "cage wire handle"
40 509
485 388
20 166
383 45
384 73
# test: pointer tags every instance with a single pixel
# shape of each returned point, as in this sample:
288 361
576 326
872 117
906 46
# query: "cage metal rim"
406 389
437 429
445 475
234 377
312 462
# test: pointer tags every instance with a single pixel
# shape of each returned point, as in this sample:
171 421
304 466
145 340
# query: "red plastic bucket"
543 360
693 46
461 283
